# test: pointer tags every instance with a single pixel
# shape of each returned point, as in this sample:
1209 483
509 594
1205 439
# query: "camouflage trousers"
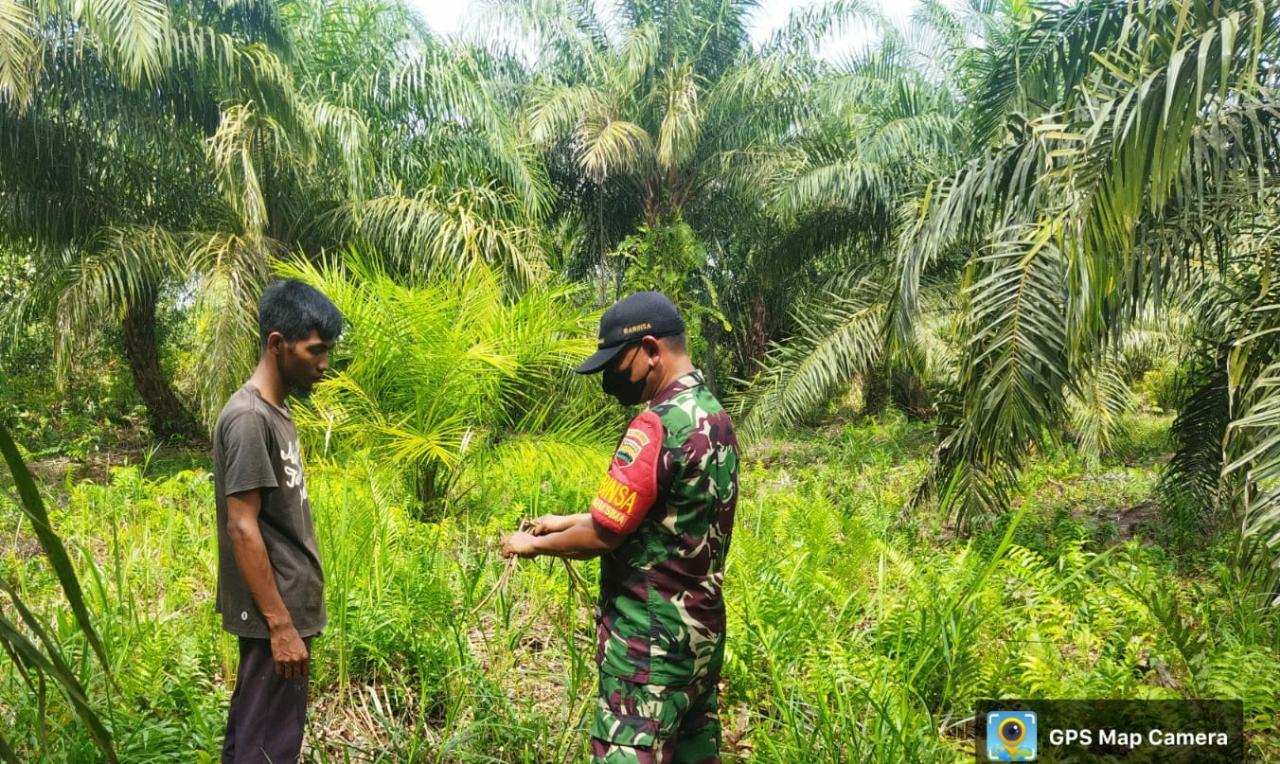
652 724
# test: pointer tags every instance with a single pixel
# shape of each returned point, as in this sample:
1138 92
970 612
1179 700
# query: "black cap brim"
598 359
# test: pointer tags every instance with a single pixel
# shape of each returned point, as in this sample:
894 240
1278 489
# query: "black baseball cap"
643 314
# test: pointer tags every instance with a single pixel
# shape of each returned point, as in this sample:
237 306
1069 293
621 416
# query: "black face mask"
617 384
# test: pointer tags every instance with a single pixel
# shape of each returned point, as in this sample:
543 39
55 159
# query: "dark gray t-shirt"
255 446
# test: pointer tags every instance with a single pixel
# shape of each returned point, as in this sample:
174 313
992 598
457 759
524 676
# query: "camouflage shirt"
672 487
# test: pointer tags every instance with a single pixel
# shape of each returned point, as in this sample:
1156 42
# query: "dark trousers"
268 712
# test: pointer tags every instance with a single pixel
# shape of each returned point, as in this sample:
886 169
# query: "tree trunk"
875 391
911 396
758 332
710 370
882 387
430 483
165 413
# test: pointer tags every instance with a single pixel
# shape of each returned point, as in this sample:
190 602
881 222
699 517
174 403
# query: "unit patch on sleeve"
632 444
630 487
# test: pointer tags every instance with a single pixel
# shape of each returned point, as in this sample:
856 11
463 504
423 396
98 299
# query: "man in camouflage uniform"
661 522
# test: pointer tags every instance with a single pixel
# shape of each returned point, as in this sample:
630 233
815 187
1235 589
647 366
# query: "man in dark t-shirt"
270 584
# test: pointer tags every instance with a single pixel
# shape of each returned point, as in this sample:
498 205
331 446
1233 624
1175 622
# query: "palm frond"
436 373
20 59
93 287
848 184
637 56
1095 407
1190 483
1047 59
681 126
607 147
49 661
801 374
139 33
566 33
1015 369
556 109
809 25
232 151
430 235
747 112
1254 438
347 131
228 272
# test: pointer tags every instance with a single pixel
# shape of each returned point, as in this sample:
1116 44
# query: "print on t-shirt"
293 469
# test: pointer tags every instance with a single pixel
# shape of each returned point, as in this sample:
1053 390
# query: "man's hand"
519 544
552 524
581 539
287 648
289 652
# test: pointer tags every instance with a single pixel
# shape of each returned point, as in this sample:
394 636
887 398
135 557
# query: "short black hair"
676 342
295 309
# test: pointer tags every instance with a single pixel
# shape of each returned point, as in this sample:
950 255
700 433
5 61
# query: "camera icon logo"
1011 736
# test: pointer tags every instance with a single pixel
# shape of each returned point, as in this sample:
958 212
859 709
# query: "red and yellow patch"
617 505
630 487
614 500
616 494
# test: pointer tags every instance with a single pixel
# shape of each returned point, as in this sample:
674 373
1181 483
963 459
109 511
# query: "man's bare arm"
556 523
582 540
287 648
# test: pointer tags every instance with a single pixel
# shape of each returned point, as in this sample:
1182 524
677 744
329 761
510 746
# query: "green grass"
857 631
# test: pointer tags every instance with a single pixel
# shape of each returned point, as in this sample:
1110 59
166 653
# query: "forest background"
991 293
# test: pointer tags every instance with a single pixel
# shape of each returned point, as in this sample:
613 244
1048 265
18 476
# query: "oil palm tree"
1129 163
133 134
659 121
1123 168
445 184
193 146
661 104
885 124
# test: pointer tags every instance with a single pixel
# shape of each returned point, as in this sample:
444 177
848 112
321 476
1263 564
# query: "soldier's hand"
519 544
550 524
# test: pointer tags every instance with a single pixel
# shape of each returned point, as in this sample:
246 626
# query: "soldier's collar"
678 385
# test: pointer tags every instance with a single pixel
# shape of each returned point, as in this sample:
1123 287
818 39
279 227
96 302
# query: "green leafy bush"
453 375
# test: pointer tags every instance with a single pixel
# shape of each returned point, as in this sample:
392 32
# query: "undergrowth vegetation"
991 299
857 632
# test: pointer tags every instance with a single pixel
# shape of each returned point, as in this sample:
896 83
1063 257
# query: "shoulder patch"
630 487
644 430
632 444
